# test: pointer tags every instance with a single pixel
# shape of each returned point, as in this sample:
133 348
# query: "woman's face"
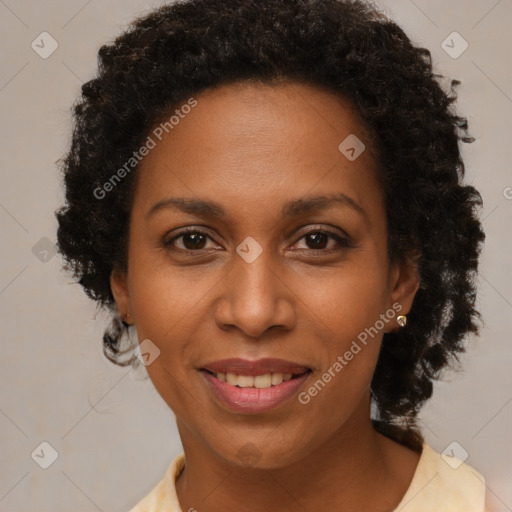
268 271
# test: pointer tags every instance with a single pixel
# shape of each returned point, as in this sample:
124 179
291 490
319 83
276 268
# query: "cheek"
165 299
347 310
346 300
170 307
344 378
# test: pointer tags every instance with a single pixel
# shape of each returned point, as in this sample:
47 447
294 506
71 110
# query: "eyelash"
342 241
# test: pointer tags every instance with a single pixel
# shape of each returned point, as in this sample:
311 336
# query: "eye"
317 239
191 239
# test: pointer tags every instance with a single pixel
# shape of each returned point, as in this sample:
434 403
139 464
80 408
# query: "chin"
253 455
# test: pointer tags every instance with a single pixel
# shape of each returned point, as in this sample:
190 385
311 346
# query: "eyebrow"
294 207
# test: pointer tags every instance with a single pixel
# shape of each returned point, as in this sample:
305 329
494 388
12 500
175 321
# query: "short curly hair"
350 48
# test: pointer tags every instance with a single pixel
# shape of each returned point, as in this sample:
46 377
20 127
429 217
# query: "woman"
271 194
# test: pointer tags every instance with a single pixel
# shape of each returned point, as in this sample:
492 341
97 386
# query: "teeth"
245 381
277 378
248 381
263 381
231 378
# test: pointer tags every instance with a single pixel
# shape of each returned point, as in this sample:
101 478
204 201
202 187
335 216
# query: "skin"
251 148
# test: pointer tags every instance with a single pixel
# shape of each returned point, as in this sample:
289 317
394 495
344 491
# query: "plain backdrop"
113 434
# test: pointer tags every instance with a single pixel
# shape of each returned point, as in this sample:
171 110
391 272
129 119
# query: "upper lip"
255 367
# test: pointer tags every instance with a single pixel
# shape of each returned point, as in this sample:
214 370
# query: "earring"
401 320
125 319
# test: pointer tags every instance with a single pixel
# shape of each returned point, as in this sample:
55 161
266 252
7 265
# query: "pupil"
197 240
316 237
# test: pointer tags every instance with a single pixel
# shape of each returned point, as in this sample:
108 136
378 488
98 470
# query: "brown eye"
192 240
318 240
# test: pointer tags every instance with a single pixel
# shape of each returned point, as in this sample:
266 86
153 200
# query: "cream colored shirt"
435 487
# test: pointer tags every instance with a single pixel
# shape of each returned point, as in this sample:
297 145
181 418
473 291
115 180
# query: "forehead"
249 143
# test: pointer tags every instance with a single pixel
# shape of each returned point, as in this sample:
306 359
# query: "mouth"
254 386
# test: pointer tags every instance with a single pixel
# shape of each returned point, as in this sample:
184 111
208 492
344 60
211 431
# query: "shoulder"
443 483
163 497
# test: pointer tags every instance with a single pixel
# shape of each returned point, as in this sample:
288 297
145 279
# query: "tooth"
231 378
287 376
263 381
245 381
221 376
277 378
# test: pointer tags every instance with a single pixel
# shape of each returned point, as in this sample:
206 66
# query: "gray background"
114 435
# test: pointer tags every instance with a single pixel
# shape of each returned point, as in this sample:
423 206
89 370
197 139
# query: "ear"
404 283
120 291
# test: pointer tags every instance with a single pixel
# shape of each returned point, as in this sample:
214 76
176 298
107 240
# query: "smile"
253 394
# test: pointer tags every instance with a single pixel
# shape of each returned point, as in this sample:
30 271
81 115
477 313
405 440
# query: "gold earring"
401 320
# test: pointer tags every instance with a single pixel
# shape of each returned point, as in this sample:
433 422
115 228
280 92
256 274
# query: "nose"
255 297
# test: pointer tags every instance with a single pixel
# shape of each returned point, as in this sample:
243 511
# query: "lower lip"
254 400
